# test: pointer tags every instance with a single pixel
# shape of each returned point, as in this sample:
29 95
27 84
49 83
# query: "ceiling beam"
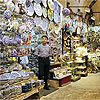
96 12
92 3
78 6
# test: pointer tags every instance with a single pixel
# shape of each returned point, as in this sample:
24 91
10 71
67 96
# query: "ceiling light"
93 18
87 10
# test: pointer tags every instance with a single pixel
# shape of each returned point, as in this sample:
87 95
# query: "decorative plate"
51 4
38 9
29 9
7 14
37 1
56 6
44 12
56 16
15 74
44 24
50 14
37 20
44 2
5 40
51 26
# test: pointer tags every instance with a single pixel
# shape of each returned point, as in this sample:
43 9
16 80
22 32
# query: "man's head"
44 39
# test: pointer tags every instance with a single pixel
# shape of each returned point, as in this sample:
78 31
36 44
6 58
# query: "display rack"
28 94
75 76
82 70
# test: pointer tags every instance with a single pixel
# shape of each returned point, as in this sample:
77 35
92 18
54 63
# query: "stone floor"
87 88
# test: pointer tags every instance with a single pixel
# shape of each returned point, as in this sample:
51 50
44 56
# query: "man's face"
44 40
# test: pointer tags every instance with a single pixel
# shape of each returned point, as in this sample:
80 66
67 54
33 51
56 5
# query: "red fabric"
65 80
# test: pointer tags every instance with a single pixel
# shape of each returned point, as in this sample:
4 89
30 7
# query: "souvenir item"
44 2
5 40
9 52
16 10
50 14
15 74
51 4
45 12
29 25
37 1
22 28
38 9
51 26
9 5
56 7
3 25
14 43
37 20
78 30
36 32
14 25
66 11
22 1
56 16
23 73
14 52
18 40
2 6
44 24
29 8
7 14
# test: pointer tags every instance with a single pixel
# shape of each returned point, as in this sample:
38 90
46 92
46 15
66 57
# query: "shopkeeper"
43 53
85 54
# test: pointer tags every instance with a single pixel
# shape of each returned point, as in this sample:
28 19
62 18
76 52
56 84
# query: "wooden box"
60 82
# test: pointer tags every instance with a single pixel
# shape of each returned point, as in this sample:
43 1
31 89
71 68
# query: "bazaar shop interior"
73 31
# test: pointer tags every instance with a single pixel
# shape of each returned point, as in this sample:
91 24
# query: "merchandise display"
22 24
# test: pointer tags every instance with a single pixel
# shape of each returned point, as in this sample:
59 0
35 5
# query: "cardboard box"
54 83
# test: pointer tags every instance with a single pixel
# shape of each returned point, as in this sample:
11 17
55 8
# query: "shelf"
79 61
57 63
82 73
75 78
59 78
9 46
27 94
81 67
72 68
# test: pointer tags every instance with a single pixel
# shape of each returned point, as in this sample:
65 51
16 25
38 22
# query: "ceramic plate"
51 4
56 6
38 9
29 9
50 14
44 2
56 16
37 1
37 20
45 12
44 24
51 26
5 40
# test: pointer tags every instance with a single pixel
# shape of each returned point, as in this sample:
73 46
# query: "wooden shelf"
76 78
81 67
27 94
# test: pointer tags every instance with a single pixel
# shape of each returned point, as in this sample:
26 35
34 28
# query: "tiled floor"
87 88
